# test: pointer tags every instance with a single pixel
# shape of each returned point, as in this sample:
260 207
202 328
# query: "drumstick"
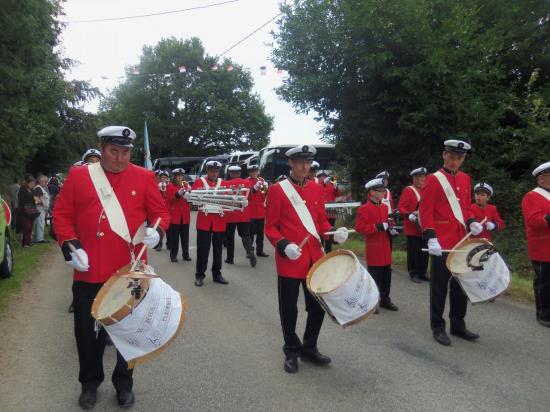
143 247
448 250
459 242
335 231
303 242
73 249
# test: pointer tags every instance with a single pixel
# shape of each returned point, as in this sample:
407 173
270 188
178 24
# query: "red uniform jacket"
331 193
238 216
180 212
256 200
377 244
535 207
163 195
78 215
491 213
408 203
436 214
282 222
211 222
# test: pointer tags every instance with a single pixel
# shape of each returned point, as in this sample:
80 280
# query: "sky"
104 49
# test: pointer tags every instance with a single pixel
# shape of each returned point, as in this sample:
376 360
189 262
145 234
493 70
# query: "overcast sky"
104 49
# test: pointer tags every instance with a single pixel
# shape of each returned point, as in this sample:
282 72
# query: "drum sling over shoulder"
451 197
300 207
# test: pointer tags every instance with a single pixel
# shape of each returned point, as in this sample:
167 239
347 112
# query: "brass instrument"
333 180
263 186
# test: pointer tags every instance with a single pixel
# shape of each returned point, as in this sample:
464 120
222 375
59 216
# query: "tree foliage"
392 80
192 113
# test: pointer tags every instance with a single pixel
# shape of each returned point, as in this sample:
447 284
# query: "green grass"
25 263
521 287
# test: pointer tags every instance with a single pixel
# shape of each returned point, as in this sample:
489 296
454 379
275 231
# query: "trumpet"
333 180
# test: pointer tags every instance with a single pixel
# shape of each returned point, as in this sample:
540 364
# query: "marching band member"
97 237
445 214
180 215
295 219
372 222
91 156
388 198
417 261
312 174
256 203
162 179
210 228
330 193
536 215
482 210
237 220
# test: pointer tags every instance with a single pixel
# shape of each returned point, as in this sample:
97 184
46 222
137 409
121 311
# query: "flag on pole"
146 153
263 70
182 69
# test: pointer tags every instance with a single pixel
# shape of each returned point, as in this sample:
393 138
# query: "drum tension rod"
136 288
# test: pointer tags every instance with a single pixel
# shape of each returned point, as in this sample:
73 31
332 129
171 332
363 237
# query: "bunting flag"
199 69
229 68
263 70
135 70
214 67
146 152
182 69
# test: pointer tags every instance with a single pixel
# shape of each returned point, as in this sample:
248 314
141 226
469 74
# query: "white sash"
451 197
300 207
207 186
111 205
386 201
415 192
210 208
542 192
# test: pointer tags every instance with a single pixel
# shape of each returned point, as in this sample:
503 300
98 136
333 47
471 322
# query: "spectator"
42 197
27 211
13 191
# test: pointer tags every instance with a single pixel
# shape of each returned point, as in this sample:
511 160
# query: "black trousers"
328 242
178 232
204 239
382 278
257 231
289 289
417 261
541 288
91 344
439 283
243 229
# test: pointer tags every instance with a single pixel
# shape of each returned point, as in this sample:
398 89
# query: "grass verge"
521 287
25 262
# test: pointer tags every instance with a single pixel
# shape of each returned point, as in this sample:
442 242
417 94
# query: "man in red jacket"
98 238
417 261
482 211
180 215
372 223
163 178
536 215
295 222
211 227
312 174
238 220
256 203
445 214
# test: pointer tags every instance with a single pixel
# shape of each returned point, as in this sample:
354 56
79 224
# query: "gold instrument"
263 186
333 180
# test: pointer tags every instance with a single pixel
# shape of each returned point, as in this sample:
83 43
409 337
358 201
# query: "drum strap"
300 207
415 192
451 197
543 193
386 201
207 186
111 205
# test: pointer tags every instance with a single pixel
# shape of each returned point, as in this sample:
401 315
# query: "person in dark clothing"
27 211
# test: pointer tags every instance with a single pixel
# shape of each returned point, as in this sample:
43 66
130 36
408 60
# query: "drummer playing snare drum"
97 237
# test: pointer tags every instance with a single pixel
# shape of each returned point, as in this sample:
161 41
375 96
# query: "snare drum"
343 287
141 327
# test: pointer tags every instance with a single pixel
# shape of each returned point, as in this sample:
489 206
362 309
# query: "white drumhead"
332 273
116 297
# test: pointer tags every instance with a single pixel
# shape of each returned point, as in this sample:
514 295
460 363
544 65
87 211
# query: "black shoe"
441 337
464 334
88 398
125 399
43 241
389 305
252 259
173 259
416 279
158 249
291 364
199 282
230 261
221 279
71 308
424 278
315 357
187 258
262 254
545 323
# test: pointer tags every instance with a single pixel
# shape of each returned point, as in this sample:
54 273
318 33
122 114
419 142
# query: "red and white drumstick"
459 242
73 249
143 248
303 242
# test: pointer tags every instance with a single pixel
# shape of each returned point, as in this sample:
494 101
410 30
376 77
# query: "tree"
191 113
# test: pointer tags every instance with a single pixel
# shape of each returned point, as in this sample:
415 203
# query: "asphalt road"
228 356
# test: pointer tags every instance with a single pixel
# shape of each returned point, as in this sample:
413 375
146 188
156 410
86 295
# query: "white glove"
490 226
327 179
385 225
393 232
151 238
79 260
187 195
341 235
182 192
434 248
292 251
476 228
413 218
